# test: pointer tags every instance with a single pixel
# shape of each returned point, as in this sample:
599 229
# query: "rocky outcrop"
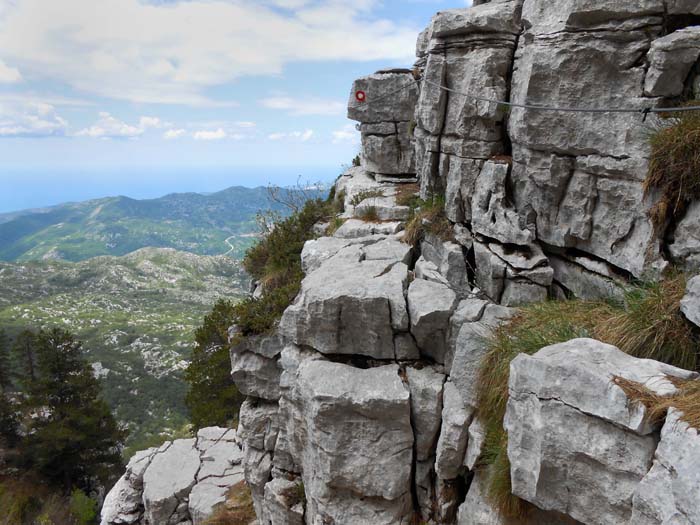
574 438
178 483
363 404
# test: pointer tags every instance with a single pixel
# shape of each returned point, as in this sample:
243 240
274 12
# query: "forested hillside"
136 315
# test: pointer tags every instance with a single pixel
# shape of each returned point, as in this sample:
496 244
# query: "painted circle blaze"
361 96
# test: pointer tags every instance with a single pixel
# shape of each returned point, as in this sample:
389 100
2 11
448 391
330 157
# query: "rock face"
573 436
180 482
362 406
383 103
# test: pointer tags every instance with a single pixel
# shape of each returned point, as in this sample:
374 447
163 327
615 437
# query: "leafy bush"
648 324
674 167
212 398
366 194
275 262
83 508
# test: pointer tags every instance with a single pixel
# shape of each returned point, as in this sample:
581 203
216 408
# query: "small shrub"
356 161
674 167
83 508
365 194
335 223
275 262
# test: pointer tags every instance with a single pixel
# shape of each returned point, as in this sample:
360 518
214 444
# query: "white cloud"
303 136
111 127
244 124
170 52
30 119
303 107
174 134
152 122
9 75
348 134
210 135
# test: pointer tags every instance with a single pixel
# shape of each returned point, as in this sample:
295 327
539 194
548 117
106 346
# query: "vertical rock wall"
362 405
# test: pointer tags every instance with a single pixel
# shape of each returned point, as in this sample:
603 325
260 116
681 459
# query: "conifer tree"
73 439
24 357
213 398
5 364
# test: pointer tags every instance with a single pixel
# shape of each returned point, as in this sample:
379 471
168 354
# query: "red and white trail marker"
361 96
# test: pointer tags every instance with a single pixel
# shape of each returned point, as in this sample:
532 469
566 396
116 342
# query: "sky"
146 97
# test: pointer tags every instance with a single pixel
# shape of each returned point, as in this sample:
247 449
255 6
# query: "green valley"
136 315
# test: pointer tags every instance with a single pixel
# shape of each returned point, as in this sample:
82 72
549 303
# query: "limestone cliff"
363 401
364 397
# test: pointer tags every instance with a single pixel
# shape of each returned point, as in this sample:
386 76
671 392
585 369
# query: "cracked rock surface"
179 482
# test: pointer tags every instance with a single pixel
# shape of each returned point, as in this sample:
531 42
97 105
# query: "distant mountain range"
212 224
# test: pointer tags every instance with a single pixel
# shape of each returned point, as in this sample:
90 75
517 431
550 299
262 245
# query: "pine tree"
5 364
213 398
25 356
73 439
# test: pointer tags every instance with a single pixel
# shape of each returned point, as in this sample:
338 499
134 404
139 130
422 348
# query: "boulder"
425 386
354 228
452 443
471 346
390 97
690 304
499 17
492 215
576 444
258 424
476 510
349 427
585 278
284 503
449 260
350 307
389 154
670 60
685 248
123 504
476 435
169 479
255 375
668 492
430 307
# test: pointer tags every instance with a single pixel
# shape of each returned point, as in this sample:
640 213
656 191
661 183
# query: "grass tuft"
648 325
652 325
686 399
237 509
428 216
369 214
674 167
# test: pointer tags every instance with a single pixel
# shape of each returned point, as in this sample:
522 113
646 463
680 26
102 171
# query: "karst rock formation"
364 397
